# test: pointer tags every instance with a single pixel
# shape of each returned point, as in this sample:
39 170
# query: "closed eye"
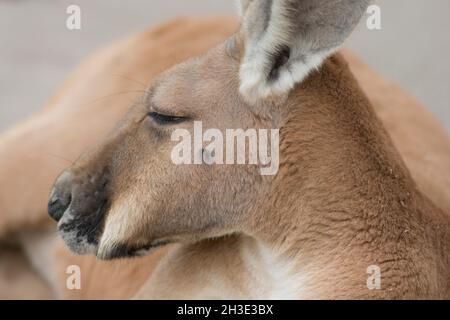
163 119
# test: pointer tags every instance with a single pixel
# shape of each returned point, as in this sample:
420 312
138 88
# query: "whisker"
130 79
111 95
62 158
116 94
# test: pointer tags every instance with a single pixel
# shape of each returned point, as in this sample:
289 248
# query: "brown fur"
369 134
342 192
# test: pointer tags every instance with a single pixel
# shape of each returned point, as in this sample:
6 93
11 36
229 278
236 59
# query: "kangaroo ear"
284 40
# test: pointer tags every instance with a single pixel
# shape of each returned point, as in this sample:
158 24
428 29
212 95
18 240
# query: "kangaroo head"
195 157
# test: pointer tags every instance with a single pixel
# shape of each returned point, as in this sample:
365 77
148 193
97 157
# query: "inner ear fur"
283 41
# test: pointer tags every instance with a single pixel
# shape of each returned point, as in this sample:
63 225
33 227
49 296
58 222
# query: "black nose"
61 197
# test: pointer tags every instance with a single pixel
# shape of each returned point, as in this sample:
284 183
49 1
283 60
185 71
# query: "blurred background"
37 51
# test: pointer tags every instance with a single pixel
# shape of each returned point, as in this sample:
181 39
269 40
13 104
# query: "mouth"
78 242
76 239
123 251
82 231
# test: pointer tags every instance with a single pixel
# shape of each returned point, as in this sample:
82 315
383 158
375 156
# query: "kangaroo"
341 202
235 265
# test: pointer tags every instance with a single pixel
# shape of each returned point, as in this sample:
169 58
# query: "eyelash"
162 119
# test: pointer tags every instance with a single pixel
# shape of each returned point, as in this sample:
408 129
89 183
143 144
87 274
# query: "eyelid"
166 119
158 110
170 112
165 112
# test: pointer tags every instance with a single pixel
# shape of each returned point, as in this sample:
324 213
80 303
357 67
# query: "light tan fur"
219 268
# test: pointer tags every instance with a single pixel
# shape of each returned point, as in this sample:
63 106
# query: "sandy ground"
37 51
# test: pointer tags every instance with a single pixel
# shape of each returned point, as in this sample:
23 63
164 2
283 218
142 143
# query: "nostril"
61 196
57 206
